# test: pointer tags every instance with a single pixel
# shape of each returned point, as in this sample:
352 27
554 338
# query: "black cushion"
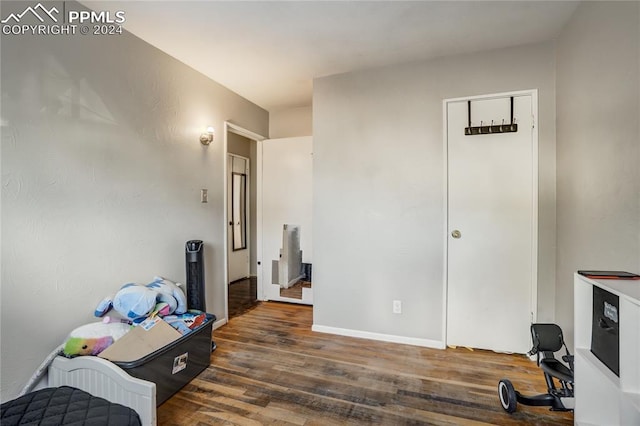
65 406
547 337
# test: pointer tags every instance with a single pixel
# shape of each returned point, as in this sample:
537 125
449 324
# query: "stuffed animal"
91 339
170 293
136 301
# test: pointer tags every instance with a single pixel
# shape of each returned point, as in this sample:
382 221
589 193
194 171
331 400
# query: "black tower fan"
195 275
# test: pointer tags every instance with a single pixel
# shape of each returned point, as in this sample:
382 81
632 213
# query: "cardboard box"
144 339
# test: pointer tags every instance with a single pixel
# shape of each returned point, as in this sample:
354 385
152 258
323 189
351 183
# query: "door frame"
534 229
234 128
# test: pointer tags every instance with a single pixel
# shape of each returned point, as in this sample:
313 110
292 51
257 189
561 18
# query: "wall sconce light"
207 138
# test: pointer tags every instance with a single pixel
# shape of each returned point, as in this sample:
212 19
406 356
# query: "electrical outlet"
397 306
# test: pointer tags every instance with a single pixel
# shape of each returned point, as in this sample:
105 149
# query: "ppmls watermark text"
56 19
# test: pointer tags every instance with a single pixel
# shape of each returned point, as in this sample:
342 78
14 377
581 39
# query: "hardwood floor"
243 296
295 291
270 368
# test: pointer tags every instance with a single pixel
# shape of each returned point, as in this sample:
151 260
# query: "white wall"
598 97
101 178
378 186
290 122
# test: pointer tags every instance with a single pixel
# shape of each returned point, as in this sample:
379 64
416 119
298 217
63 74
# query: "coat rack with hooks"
483 129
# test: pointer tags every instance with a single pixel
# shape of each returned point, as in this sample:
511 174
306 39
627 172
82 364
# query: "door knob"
456 234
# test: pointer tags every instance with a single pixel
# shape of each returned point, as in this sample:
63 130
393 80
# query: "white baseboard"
427 343
219 323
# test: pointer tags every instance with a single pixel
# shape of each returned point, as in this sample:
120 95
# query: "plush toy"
136 301
132 301
104 306
91 339
162 309
169 293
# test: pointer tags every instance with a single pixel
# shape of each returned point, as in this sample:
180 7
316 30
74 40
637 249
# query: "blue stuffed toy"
136 301
170 293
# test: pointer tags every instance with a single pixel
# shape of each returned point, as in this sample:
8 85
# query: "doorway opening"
286 219
241 224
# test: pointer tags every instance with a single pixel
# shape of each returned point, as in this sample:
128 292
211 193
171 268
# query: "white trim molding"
234 128
219 323
414 341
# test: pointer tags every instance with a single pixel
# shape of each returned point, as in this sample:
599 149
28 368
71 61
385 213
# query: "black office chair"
547 339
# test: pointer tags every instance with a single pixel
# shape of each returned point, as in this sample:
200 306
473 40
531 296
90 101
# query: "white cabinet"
602 398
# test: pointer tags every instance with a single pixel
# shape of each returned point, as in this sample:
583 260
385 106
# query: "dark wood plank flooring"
270 368
243 296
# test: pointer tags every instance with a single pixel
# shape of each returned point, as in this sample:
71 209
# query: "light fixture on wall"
207 138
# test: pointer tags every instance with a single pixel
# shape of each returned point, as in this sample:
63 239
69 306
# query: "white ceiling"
269 52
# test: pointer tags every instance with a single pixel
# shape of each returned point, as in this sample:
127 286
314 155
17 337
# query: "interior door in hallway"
237 205
491 224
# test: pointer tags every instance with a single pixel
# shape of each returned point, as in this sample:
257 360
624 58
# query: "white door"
491 225
238 215
286 200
